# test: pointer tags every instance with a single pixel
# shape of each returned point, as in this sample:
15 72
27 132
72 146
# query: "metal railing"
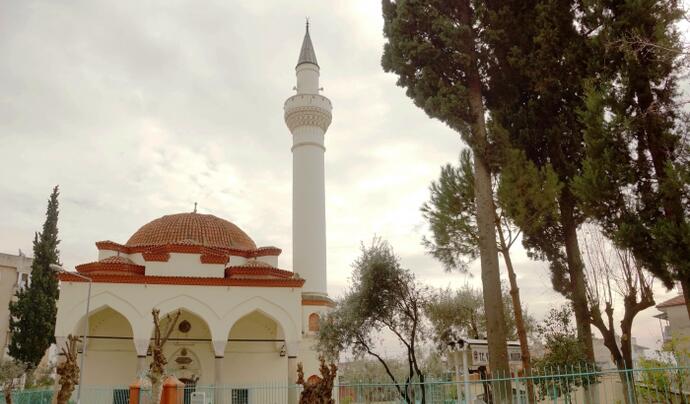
571 385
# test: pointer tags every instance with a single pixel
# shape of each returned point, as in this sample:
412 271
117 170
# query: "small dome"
192 229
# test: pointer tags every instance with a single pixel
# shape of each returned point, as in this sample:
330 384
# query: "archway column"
292 348
219 351
142 346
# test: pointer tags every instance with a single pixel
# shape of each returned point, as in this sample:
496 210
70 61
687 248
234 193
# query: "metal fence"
658 385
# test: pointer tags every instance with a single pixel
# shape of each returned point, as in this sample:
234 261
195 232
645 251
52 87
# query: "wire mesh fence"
569 385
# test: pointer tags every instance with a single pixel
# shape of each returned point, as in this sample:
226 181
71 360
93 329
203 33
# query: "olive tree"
383 297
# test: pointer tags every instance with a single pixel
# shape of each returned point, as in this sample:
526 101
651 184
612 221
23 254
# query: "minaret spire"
308 115
307 54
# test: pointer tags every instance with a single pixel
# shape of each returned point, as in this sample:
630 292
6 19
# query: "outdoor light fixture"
58 269
459 346
282 351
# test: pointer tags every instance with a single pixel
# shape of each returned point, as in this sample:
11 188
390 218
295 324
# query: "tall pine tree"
32 314
635 179
451 214
433 46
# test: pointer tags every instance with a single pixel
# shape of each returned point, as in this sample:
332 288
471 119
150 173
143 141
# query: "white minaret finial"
308 116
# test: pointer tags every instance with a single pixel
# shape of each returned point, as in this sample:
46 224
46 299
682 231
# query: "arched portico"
189 349
71 321
111 355
192 305
267 308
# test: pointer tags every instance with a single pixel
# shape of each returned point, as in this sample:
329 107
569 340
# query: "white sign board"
479 355
198 397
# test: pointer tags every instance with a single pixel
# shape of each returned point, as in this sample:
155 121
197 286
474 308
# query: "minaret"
308 115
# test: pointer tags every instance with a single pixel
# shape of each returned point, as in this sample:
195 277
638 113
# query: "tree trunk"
578 287
491 278
8 394
517 308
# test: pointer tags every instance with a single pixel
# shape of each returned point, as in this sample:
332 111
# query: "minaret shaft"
308 115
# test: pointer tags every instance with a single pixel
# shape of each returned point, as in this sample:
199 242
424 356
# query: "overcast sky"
138 109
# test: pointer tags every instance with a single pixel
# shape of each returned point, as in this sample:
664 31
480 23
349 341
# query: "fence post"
134 391
465 371
171 390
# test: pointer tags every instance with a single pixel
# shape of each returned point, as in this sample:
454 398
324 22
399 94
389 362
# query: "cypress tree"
539 61
635 180
32 313
433 46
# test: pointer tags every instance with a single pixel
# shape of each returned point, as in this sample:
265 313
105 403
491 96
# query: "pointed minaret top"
307 54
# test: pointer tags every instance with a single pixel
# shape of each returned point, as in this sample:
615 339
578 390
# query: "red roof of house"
676 301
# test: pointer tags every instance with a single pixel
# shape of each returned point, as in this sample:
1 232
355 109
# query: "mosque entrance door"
187 370
189 388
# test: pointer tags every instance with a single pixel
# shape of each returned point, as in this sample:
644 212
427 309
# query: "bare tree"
614 275
68 370
157 368
318 391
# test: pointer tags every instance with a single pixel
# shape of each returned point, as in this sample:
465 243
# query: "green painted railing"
571 385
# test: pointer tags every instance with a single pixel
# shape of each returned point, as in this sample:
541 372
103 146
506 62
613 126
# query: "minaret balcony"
308 110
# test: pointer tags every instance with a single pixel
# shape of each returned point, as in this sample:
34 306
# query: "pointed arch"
72 319
267 308
193 306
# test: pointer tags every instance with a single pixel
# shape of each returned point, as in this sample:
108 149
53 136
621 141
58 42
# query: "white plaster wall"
236 261
181 264
112 361
309 209
307 78
11 267
219 306
271 260
109 361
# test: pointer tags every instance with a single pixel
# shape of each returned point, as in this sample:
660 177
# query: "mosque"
244 320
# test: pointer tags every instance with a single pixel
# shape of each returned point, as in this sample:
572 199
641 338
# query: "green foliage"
634 180
382 297
564 354
660 376
427 48
534 91
451 214
462 312
32 315
529 196
10 370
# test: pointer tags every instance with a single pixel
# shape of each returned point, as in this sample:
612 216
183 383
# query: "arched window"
314 322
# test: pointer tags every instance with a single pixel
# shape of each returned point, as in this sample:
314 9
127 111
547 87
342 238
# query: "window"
121 396
314 322
23 280
240 396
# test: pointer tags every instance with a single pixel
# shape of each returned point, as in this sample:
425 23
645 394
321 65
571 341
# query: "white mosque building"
244 320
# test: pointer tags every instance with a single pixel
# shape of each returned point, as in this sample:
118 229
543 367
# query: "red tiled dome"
191 229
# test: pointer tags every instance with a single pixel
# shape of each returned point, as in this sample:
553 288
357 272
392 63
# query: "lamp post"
461 346
57 268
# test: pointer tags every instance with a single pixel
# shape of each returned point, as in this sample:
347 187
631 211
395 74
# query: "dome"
191 229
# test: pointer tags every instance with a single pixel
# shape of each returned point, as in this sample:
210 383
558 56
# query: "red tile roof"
184 248
676 301
191 229
116 265
184 280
